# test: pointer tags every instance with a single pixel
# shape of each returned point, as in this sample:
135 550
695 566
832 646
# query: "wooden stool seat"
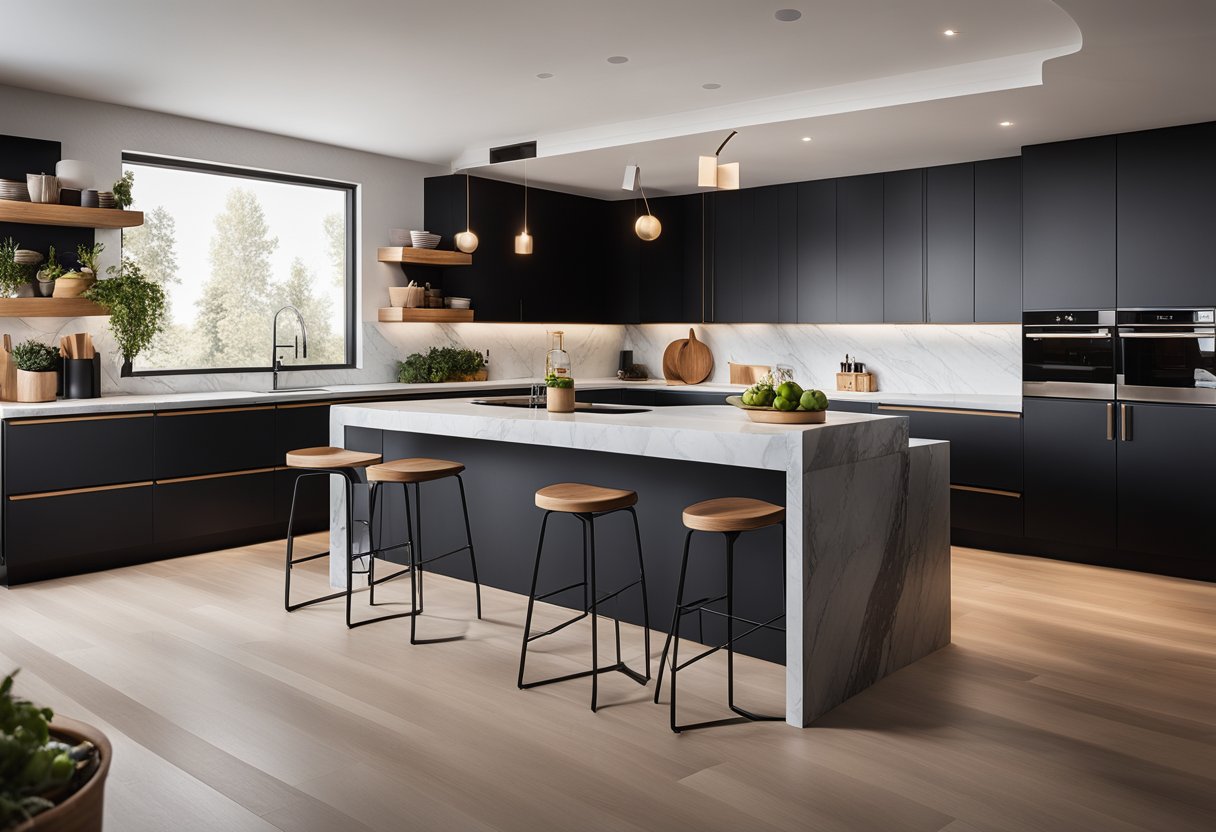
326 457
414 469
580 498
732 514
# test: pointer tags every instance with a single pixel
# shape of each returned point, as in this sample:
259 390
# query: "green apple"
782 403
789 390
813 400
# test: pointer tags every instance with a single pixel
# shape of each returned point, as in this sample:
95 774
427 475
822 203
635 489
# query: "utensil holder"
82 378
856 383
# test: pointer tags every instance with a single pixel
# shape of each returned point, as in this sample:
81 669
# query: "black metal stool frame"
701 606
591 603
416 561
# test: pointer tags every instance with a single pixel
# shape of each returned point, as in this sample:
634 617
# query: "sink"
579 407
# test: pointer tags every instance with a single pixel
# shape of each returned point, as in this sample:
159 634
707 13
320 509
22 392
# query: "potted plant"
37 371
440 364
13 275
47 276
122 191
137 308
559 395
75 283
52 774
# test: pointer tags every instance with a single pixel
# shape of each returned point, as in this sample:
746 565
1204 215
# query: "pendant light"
712 175
523 240
466 240
647 227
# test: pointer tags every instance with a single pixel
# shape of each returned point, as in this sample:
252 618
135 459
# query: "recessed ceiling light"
618 59
950 33
544 75
1006 123
806 138
787 15
711 86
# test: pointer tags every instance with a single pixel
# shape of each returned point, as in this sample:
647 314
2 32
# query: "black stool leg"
674 632
595 629
468 531
637 534
523 652
292 561
418 521
373 540
731 537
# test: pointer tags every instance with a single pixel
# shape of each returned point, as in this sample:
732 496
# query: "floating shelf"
395 314
50 308
72 216
423 256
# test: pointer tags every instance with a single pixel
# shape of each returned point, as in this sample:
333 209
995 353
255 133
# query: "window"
231 247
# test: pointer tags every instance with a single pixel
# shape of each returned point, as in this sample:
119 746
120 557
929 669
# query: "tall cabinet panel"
950 244
817 251
1068 225
756 276
732 225
903 268
998 240
1167 201
859 257
787 254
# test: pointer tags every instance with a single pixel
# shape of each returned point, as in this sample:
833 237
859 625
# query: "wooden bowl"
84 810
773 416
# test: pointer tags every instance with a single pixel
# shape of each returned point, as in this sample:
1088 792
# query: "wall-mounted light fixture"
523 240
466 240
712 175
647 226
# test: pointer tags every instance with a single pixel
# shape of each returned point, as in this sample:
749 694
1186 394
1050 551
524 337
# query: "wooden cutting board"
671 370
694 361
8 371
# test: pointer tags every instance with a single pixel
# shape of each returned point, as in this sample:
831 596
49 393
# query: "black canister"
82 378
626 360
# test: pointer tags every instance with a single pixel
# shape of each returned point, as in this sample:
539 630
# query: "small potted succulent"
559 395
45 279
37 371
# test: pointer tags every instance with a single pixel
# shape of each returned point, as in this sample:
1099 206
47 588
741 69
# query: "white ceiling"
873 81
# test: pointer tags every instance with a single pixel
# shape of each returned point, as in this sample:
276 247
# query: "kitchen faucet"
276 363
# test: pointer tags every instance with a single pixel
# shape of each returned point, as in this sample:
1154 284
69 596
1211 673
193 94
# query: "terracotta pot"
37 387
83 811
73 287
559 399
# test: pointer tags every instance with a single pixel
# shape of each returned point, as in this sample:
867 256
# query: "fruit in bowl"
778 398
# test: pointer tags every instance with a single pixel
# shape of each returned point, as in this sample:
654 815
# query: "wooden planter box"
37 387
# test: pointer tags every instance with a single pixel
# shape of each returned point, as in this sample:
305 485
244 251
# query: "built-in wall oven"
1069 354
1167 355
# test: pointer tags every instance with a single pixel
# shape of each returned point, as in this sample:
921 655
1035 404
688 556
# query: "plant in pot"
51 271
13 275
37 371
440 364
559 394
122 190
75 283
137 308
52 774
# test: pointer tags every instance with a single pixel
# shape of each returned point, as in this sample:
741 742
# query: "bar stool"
326 462
730 516
407 472
587 503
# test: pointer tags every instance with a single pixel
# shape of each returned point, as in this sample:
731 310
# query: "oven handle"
1101 333
1204 334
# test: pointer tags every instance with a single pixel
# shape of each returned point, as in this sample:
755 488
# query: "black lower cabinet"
66 534
191 443
979 517
200 514
985 446
76 452
1070 473
1167 481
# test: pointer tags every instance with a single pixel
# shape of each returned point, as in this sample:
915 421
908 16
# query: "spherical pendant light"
648 227
466 241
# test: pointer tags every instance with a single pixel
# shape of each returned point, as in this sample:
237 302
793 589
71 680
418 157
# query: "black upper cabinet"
1068 224
950 244
903 269
1167 201
859 232
734 270
786 228
816 251
998 240
757 271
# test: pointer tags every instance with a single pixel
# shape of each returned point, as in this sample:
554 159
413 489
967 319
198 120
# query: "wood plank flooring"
1072 698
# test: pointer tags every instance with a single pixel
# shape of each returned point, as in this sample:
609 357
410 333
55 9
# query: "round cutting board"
671 371
694 361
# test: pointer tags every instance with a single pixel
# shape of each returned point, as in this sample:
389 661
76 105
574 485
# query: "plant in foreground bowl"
440 364
39 773
137 308
37 376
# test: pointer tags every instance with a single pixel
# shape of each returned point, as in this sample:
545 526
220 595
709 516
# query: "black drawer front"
616 396
216 505
985 450
54 455
312 502
850 407
71 533
978 511
673 398
304 426
214 441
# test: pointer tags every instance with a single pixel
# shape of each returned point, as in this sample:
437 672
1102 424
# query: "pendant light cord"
733 133
466 200
525 196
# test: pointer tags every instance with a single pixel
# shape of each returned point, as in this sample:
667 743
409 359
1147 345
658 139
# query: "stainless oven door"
1168 364
1071 363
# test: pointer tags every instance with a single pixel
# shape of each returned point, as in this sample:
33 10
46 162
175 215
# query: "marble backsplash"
905 358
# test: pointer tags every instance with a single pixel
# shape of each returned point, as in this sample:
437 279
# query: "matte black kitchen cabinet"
985 445
1070 471
1068 225
998 240
1167 480
903 249
1166 211
734 269
77 452
199 514
859 256
950 244
665 276
816 251
194 442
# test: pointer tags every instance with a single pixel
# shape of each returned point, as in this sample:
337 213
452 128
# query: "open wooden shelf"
73 216
395 314
50 308
423 256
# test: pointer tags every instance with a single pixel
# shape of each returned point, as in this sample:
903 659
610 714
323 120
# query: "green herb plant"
88 256
35 357
13 275
439 364
137 307
559 382
31 764
122 190
51 270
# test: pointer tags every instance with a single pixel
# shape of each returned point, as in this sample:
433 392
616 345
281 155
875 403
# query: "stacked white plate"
27 257
425 239
14 189
458 303
105 199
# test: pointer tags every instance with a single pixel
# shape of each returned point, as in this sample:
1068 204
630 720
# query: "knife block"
856 383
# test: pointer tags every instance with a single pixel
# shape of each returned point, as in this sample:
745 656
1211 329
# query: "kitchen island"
867 585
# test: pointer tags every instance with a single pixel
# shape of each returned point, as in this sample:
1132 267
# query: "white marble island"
867 533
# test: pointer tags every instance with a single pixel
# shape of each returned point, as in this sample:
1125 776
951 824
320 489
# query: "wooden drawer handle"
1000 414
44 494
221 475
996 491
64 419
303 404
214 410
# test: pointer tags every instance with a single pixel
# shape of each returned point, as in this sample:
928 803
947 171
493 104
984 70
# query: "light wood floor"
1072 698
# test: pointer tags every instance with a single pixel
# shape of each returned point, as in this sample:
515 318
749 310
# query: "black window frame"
351 317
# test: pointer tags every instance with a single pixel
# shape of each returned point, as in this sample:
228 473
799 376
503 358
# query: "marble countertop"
118 403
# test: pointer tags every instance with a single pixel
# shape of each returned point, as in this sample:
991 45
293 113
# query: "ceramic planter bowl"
73 287
83 810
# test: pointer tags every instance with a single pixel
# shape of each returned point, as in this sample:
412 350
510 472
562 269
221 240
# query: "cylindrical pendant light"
466 240
523 240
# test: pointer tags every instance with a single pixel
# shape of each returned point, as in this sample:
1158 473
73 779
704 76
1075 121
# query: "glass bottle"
557 360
